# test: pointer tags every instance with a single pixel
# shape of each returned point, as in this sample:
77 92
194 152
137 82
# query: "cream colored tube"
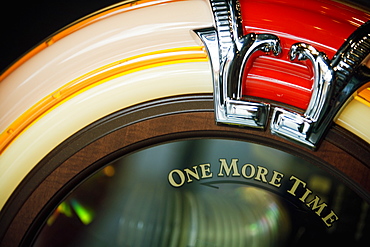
27 150
355 117
121 35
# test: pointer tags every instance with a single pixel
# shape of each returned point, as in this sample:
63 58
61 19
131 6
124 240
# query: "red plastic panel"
323 24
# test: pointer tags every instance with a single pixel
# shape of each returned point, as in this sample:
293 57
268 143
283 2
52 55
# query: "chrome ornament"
231 55
296 126
335 82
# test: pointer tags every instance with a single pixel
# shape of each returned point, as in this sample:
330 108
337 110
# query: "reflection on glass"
268 198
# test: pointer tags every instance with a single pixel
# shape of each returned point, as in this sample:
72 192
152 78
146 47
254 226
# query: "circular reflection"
130 202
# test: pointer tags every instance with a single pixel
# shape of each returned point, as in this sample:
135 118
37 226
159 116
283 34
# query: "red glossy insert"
322 24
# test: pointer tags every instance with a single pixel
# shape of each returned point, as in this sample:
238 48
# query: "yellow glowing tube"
355 116
123 6
364 96
77 70
97 77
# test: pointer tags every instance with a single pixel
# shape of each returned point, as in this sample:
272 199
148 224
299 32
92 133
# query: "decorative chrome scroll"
231 54
296 126
334 83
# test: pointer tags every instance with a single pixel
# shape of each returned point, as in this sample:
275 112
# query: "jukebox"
191 123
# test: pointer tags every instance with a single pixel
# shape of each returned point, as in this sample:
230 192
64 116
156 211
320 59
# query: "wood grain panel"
159 123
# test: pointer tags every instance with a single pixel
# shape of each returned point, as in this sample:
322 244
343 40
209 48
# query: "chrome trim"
323 77
231 60
334 83
299 127
232 54
350 55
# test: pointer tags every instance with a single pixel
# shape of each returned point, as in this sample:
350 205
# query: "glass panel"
208 192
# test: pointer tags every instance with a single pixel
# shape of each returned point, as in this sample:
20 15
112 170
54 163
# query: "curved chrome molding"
323 76
299 127
231 56
351 54
334 83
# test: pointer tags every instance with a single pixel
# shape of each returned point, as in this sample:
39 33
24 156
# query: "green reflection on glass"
130 202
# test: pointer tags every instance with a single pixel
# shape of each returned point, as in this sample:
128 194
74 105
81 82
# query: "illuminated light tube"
117 93
83 51
175 60
355 116
124 6
96 77
131 91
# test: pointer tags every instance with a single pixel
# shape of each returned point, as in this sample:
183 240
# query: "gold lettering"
191 173
233 166
330 218
172 180
206 172
315 205
261 174
304 197
244 170
295 185
276 179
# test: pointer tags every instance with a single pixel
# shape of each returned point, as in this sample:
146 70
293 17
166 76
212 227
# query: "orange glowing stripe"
94 17
95 78
364 96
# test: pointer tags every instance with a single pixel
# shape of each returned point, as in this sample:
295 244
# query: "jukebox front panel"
209 170
207 191
120 146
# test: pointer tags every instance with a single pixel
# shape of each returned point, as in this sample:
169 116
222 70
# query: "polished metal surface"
231 54
334 83
296 126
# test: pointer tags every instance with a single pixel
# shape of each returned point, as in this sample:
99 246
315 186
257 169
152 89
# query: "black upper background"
24 24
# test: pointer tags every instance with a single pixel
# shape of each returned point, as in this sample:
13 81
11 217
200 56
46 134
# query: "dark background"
24 24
